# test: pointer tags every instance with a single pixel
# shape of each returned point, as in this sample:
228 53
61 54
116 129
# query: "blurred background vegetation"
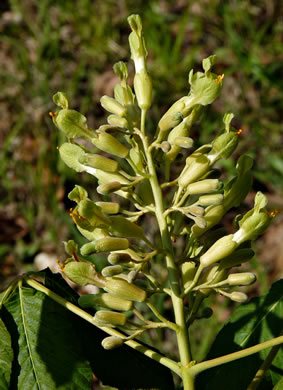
71 46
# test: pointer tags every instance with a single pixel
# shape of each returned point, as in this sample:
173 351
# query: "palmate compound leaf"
46 343
123 368
257 321
6 356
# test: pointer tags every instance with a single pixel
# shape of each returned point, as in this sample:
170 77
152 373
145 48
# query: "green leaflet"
50 353
257 321
6 357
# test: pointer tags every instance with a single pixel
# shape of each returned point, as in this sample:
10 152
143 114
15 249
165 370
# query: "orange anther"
220 77
52 114
58 261
239 131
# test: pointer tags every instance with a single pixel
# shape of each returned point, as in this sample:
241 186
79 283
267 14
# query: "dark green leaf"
123 368
6 357
46 343
257 321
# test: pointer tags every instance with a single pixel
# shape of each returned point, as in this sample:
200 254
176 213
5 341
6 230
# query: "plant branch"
263 368
196 369
171 364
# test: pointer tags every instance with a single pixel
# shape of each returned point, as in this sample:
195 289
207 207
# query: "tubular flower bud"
238 297
203 186
116 120
212 275
195 171
112 270
252 227
111 105
241 279
143 89
105 189
99 162
112 342
175 137
220 249
207 200
83 273
73 124
137 44
118 258
104 318
121 288
213 215
106 244
110 144
122 227
109 207
92 213
188 273
223 146
237 258
169 121
106 300
183 142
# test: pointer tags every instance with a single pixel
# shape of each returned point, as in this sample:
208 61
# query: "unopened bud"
112 270
122 227
213 215
105 189
220 249
195 171
106 300
165 146
109 207
121 288
238 296
224 145
116 120
241 279
106 244
104 318
112 342
203 186
183 142
143 89
207 200
110 144
111 105
99 162
118 258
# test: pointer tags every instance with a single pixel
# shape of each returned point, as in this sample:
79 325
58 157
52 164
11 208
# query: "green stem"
161 318
171 364
177 301
263 368
195 370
